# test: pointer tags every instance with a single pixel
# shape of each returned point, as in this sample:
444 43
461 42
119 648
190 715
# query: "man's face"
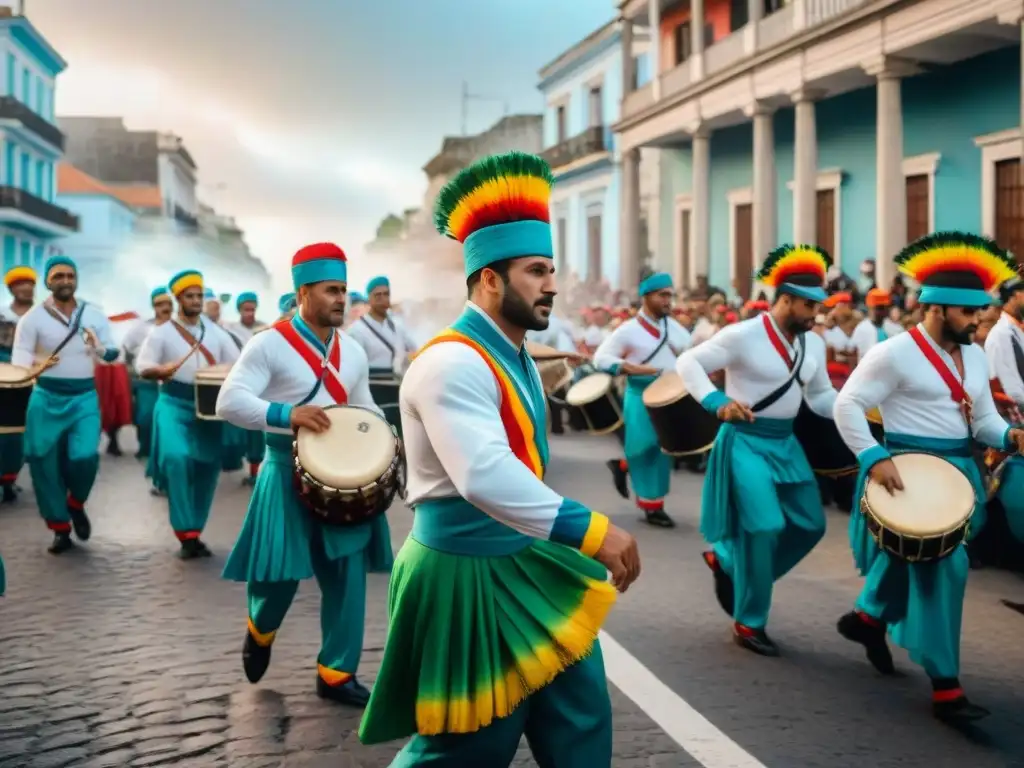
842 311
800 314
659 303
961 323
1015 306
23 291
324 302
62 282
212 310
162 309
529 294
247 312
190 301
380 299
879 313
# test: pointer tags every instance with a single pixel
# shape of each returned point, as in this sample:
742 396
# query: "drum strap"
379 336
1018 356
324 369
956 388
794 371
190 340
72 326
662 343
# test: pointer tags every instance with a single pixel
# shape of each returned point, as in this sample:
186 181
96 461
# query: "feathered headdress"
799 270
498 209
956 268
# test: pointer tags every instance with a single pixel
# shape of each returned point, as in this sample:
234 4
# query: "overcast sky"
309 119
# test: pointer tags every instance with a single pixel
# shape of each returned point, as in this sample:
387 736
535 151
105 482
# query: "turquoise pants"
650 470
12 457
1011 495
567 723
146 393
342 607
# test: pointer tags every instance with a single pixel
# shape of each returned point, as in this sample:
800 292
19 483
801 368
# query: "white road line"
684 725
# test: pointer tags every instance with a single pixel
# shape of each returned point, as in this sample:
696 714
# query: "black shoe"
755 640
154 491
249 481
80 523
189 550
856 630
61 543
619 477
9 495
113 449
959 712
1018 607
255 658
202 550
351 693
658 519
725 593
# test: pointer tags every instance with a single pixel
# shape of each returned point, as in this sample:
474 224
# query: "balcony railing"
590 142
12 109
185 218
20 200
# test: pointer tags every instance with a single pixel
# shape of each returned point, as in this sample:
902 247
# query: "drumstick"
183 360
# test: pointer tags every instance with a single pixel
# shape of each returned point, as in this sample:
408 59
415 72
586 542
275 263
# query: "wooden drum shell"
14 399
601 414
825 449
682 425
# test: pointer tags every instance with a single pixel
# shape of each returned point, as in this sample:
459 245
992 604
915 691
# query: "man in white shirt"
642 348
558 335
388 346
145 392
238 443
21 282
761 508
283 380
211 305
62 431
187 451
931 385
876 327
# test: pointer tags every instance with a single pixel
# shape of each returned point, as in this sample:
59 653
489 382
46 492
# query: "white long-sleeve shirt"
1002 362
754 369
39 333
365 332
637 338
837 339
865 335
897 378
242 333
164 344
269 371
557 335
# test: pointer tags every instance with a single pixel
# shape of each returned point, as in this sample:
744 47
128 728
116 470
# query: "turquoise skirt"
146 393
176 429
274 543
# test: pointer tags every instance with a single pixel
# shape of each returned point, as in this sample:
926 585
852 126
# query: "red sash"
316 363
956 387
648 327
776 341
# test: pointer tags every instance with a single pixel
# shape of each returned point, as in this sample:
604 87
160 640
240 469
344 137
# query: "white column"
805 170
764 184
697 39
755 12
654 20
627 56
629 251
891 185
700 215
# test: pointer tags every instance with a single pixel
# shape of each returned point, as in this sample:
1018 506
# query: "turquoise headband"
159 293
659 281
286 303
809 292
378 282
244 297
318 270
356 298
513 240
58 261
954 297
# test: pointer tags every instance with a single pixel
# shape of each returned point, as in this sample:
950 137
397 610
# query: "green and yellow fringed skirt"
471 638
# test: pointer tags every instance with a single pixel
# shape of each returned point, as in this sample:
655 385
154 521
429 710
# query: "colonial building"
856 124
583 93
30 219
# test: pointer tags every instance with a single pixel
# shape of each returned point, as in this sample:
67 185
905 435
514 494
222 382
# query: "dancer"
62 430
145 391
247 444
876 327
186 450
21 282
281 382
495 605
761 507
931 385
642 348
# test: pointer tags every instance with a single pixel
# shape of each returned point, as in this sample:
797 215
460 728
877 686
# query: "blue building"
583 92
30 219
856 124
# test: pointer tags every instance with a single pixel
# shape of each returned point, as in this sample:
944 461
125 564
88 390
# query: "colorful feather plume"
945 252
788 261
494 190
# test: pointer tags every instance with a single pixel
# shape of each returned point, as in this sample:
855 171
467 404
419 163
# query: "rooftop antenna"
467 97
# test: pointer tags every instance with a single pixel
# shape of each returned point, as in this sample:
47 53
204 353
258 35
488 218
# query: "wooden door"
743 268
683 248
826 220
918 203
1010 207
594 248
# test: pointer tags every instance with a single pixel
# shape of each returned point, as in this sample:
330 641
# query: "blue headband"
954 297
809 292
245 296
159 293
659 281
513 240
378 282
58 261
318 270
356 298
209 295
286 303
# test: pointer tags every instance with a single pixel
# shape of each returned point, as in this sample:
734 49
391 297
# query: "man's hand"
311 417
577 359
733 411
621 556
633 369
1017 438
885 474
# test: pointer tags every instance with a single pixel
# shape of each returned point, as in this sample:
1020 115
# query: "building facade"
856 124
583 92
31 220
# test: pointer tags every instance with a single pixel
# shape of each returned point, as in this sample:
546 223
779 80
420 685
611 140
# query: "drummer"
558 335
145 391
251 441
877 326
187 450
642 348
282 381
915 379
21 282
761 508
211 305
286 305
62 429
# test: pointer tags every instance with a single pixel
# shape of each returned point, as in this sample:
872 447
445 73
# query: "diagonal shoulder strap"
661 343
190 340
381 338
794 376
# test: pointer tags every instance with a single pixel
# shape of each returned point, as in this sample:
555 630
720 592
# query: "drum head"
667 388
216 373
354 452
543 352
9 373
587 390
937 496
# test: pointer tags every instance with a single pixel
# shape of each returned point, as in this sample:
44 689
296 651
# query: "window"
594 248
683 240
596 104
771 6
637 62
918 203
26 86
739 14
26 253
560 243
9 164
683 43
826 220
1010 206
560 124
10 252
12 73
709 35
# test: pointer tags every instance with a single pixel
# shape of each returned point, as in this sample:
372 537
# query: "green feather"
953 239
782 251
477 174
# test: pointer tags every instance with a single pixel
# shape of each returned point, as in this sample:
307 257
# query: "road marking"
682 723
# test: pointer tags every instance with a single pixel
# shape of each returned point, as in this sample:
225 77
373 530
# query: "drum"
555 376
825 449
683 427
14 394
350 473
597 402
208 384
927 520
